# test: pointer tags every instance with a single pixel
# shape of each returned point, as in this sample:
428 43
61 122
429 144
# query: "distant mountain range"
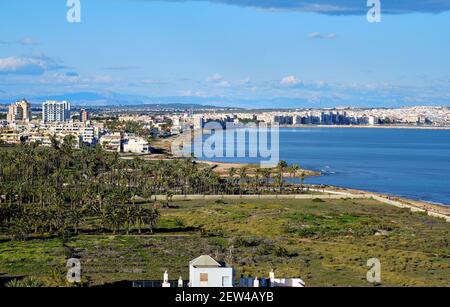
109 99
94 99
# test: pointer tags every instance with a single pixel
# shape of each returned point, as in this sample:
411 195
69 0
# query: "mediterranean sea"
412 163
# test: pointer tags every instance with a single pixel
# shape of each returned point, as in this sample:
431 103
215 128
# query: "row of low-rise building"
127 143
325 118
85 133
437 116
57 122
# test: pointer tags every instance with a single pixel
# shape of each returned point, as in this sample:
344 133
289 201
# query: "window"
203 277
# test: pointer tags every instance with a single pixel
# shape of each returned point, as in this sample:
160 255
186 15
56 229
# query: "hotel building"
19 111
55 111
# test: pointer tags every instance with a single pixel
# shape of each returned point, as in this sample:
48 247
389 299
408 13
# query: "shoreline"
440 210
413 204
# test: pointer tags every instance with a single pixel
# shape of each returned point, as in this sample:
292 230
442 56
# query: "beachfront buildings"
408 116
19 111
55 111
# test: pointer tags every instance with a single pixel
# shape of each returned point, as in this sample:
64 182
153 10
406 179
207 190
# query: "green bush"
246 242
27 282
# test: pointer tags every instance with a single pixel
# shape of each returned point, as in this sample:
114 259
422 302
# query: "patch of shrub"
220 202
246 242
179 222
217 232
27 282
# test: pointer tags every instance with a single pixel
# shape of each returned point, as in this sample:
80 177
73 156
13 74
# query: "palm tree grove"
60 190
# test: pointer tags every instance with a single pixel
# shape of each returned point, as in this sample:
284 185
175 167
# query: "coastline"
408 127
414 205
439 210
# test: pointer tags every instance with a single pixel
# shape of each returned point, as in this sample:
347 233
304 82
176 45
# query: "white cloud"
245 81
223 83
28 41
218 80
341 7
103 79
27 65
189 93
148 82
215 78
318 35
290 81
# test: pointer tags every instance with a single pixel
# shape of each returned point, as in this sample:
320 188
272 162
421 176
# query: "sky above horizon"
311 52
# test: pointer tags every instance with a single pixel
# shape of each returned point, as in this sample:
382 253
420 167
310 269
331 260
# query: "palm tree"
293 169
266 173
258 174
151 217
129 217
169 197
231 173
282 165
302 178
140 218
54 141
243 176
76 217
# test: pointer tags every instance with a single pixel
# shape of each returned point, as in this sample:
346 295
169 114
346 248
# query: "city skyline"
321 54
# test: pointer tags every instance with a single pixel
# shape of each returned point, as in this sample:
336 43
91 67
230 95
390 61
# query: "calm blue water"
404 162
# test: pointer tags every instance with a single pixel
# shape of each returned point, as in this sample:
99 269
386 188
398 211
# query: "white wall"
215 277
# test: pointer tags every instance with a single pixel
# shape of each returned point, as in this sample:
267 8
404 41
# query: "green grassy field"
326 243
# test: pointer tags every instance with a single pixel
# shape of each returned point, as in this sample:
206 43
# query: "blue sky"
249 53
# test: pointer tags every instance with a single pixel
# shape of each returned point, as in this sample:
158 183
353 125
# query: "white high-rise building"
55 111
